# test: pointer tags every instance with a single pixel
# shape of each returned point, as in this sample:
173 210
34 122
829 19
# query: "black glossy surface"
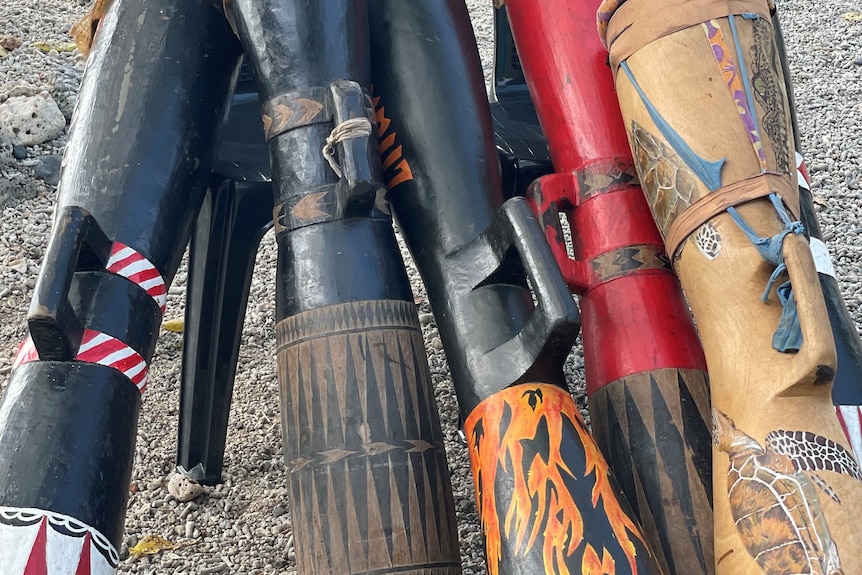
141 149
148 118
337 262
340 286
67 442
228 230
473 256
77 243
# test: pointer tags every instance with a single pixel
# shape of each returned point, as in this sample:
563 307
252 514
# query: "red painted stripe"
84 567
120 264
102 351
37 564
99 354
842 422
26 353
149 272
144 275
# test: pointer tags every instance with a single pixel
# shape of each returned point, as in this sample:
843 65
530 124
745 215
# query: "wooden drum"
702 94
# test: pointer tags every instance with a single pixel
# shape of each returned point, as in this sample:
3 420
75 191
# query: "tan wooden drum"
701 91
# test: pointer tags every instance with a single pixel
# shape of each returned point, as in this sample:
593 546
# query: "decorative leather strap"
637 23
718 201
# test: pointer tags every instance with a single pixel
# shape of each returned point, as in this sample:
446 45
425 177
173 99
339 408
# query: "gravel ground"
243 526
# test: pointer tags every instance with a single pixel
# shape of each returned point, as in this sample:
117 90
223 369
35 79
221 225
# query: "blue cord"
788 335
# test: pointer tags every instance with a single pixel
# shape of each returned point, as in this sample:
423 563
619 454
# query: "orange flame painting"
533 461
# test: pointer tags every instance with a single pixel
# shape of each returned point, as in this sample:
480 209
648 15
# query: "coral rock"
28 121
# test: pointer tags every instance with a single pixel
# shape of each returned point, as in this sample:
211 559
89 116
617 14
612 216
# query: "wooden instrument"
141 147
368 481
646 374
709 124
544 493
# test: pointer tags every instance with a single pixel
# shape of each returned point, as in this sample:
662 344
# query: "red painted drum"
646 374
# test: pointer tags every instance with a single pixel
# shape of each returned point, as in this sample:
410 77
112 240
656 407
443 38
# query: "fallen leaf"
152 544
3 52
84 30
174 325
820 201
853 16
58 46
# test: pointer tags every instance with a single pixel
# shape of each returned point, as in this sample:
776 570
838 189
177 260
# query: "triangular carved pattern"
347 317
347 394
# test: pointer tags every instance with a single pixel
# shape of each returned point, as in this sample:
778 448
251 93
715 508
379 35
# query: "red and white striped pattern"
850 418
126 262
100 348
26 353
802 178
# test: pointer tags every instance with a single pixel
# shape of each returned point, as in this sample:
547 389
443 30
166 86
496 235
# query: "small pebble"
48 169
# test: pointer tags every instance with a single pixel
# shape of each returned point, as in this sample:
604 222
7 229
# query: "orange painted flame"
592 565
541 494
396 168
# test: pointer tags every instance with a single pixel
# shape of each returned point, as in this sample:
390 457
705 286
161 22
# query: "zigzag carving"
347 317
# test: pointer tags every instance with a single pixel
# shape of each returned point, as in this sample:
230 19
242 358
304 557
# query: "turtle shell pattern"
773 501
669 185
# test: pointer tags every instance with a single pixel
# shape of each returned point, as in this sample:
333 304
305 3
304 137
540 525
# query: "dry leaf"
84 29
174 325
853 16
58 46
152 544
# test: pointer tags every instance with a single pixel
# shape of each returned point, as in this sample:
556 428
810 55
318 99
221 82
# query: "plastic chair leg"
231 223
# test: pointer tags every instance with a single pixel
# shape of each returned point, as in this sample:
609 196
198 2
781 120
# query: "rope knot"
346 130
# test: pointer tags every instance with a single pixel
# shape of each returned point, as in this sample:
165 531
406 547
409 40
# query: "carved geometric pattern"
652 428
605 177
627 260
368 478
348 317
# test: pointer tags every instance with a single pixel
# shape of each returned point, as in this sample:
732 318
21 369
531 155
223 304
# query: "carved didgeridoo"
546 500
710 127
368 480
645 370
847 387
140 152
